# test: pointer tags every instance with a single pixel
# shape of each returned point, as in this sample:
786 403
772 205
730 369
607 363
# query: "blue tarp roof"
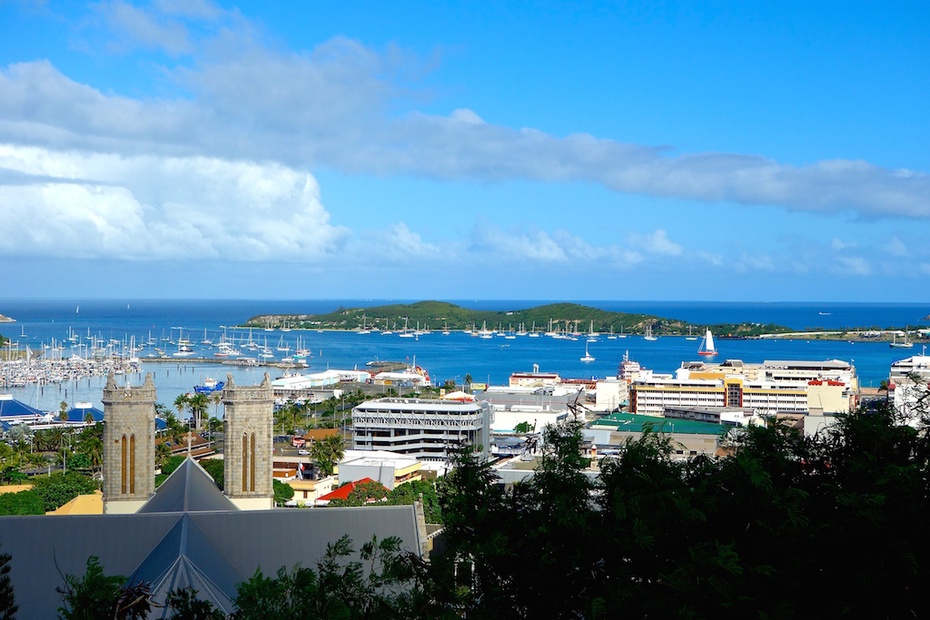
80 413
12 407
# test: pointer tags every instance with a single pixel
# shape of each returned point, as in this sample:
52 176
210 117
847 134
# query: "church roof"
188 534
185 557
189 488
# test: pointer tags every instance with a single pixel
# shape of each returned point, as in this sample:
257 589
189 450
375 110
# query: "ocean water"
40 322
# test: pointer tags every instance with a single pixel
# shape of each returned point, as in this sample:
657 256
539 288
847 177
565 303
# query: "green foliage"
185 605
381 584
96 595
11 475
79 461
742 536
172 463
60 488
214 467
565 316
8 606
283 492
362 494
327 453
22 503
423 491
523 427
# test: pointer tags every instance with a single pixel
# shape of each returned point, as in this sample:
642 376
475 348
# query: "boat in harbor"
587 356
904 344
707 347
649 335
209 386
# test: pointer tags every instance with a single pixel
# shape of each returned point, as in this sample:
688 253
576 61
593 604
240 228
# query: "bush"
214 467
22 503
59 489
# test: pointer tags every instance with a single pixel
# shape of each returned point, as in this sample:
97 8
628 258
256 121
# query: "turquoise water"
445 357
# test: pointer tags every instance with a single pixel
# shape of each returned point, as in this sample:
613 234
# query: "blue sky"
766 151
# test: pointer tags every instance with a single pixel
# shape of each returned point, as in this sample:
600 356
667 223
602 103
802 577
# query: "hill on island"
560 317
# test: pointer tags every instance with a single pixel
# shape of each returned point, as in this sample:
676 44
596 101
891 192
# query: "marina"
144 336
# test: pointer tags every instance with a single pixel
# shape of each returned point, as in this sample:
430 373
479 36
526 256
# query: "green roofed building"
691 437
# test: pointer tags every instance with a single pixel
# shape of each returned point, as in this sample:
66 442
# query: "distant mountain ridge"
562 317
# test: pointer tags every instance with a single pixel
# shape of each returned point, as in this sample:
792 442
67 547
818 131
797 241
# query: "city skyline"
732 152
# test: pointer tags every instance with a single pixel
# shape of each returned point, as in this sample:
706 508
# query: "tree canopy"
788 526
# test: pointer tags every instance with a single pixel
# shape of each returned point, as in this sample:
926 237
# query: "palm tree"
198 404
175 430
180 403
162 453
327 453
93 448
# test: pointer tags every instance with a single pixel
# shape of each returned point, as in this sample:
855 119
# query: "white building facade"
426 429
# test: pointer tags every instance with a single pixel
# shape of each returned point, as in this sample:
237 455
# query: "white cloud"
896 247
467 116
656 243
346 106
534 245
839 244
851 265
748 262
714 259
138 27
397 242
146 207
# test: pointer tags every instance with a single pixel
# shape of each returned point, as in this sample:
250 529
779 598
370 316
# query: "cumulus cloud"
397 242
145 207
349 107
137 27
656 243
539 246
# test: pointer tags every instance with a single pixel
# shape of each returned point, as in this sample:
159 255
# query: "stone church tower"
248 421
128 445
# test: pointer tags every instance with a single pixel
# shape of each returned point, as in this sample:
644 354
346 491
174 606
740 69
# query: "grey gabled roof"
188 489
214 547
186 558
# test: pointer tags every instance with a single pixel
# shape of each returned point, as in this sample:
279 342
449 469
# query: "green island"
559 317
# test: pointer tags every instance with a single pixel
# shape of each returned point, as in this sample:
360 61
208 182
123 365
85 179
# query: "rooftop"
634 423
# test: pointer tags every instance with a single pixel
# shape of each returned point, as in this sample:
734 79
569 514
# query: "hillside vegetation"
564 317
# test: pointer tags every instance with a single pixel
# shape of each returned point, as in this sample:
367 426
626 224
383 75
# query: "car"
303 452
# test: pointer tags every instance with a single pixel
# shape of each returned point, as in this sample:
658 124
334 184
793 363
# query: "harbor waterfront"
147 329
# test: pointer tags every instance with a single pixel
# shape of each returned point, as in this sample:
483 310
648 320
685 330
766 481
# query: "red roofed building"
345 490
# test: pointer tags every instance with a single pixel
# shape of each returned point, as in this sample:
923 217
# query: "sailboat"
592 335
649 335
407 333
690 336
906 344
707 346
587 356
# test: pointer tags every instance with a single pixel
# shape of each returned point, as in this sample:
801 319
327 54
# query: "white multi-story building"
909 386
773 387
427 429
